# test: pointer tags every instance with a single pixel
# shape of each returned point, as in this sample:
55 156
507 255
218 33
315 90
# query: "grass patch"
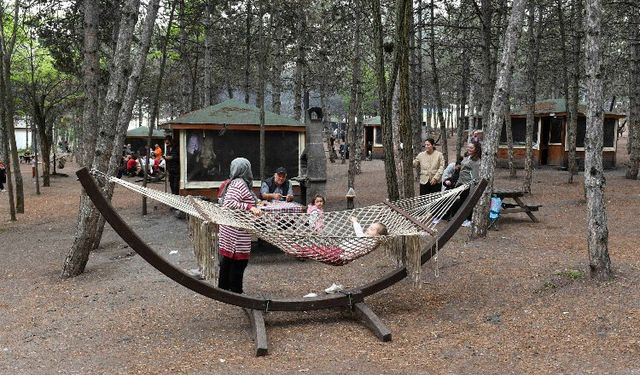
571 274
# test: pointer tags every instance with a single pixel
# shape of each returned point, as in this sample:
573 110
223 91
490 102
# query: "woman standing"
469 173
235 244
431 164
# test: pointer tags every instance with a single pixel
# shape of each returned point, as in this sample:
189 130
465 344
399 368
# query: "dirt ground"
519 301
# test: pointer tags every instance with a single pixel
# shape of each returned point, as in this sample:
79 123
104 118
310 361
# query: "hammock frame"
352 298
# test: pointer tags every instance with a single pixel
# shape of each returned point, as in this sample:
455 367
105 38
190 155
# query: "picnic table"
518 206
283 207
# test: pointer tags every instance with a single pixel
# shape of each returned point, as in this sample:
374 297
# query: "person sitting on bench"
277 187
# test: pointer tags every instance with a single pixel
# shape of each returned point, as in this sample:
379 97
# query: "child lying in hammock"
339 255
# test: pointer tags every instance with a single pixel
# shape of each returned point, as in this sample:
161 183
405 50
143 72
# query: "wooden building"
550 136
373 138
211 137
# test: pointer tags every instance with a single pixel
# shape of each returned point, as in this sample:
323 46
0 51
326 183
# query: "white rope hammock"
335 242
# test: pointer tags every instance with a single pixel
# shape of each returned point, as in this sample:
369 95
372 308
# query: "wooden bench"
519 206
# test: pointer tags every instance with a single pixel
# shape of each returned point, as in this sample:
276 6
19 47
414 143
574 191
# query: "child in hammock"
335 255
316 213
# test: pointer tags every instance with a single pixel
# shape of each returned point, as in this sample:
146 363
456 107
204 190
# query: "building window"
519 131
610 128
609 132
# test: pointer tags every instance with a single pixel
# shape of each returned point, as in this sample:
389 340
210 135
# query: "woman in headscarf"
234 243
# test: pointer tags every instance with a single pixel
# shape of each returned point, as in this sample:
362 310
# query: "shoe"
435 221
467 223
333 288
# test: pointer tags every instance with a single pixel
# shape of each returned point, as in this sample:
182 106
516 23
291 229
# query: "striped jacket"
235 243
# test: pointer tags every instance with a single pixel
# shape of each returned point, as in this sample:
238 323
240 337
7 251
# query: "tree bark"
572 103
208 57
533 49
486 16
356 99
416 81
405 99
7 46
247 56
300 62
153 120
594 180
464 89
633 147
436 89
509 131
263 53
110 133
276 68
384 100
498 109
185 94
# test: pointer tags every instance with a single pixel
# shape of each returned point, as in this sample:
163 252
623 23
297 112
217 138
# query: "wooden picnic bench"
519 206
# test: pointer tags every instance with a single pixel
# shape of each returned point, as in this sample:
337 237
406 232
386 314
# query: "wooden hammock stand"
352 299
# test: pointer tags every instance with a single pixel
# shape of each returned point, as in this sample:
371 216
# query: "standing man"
431 164
277 187
172 159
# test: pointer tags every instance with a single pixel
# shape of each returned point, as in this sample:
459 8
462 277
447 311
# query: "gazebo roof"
372 121
231 112
143 132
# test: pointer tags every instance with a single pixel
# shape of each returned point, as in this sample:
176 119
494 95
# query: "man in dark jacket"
172 159
277 187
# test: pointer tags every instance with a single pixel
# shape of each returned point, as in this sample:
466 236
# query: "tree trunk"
498 109
416 81
594 180
4 151
276 69
108 135
300 61
533 49
509 131
262 56
464 89
405 99
575 90
90 78
487 60
436 90
247 56
634 95
384 100
208 41
184 84
8 101
153 121
355 102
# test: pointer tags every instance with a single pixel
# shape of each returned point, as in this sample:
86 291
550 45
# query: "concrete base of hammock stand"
372 321
258 331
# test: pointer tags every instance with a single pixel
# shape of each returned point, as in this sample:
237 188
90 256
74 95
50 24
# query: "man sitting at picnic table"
277 187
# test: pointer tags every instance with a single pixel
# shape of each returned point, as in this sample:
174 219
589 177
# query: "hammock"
410 222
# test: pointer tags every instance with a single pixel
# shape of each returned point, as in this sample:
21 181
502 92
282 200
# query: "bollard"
351 194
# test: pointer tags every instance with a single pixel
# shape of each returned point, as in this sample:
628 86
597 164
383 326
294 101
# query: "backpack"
222 190
496 207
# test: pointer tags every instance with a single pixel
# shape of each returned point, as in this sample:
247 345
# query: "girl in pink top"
316 213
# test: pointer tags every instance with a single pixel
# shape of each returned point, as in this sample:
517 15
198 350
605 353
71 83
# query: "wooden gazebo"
211 137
